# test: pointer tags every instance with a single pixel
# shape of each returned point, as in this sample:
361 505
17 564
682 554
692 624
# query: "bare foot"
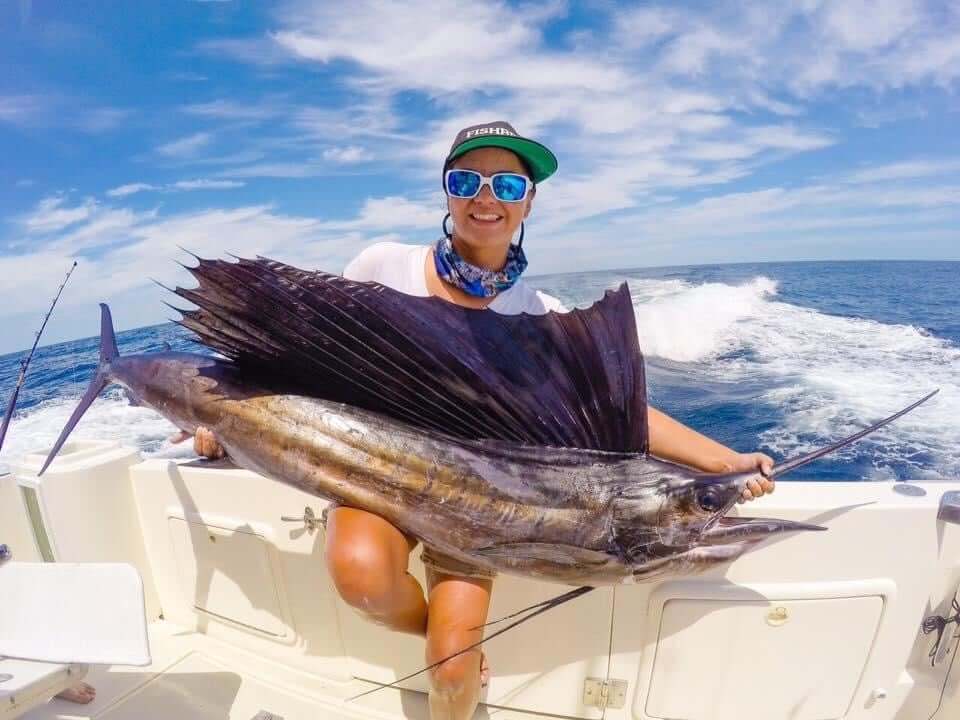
81 693
484 671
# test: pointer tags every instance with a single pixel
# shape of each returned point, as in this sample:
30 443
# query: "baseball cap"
541 161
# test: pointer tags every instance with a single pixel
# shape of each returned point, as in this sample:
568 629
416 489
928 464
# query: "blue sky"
686 134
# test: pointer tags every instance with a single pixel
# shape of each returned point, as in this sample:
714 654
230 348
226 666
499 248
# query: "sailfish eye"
709 499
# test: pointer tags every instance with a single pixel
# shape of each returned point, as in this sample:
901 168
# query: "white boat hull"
245 620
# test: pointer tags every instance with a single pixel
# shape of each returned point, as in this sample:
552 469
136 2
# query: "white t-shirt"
401 267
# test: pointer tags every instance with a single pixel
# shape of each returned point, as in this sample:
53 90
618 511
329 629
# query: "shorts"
435 560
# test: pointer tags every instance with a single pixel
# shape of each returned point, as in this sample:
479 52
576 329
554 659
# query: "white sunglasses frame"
486 180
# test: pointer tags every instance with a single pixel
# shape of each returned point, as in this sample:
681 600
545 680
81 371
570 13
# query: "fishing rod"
25 363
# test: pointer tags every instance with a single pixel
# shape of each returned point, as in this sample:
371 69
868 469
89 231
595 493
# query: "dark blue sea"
778 357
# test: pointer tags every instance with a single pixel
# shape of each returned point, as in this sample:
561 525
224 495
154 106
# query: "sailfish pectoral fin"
522 553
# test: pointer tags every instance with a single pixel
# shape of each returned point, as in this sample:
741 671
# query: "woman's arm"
674 441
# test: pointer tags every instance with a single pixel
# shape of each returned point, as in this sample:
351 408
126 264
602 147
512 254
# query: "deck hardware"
777 617
940 623
603 694
909 489
264 715
5 553
31 500
309 519
950 507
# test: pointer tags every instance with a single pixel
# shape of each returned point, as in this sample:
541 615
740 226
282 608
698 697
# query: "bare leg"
368 559
456 605
81 693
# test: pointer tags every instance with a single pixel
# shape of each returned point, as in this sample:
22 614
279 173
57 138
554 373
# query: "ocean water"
777 357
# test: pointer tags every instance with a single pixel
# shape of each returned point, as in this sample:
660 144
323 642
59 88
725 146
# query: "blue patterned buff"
474 280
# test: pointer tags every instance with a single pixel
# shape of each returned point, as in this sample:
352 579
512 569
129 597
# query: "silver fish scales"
517 444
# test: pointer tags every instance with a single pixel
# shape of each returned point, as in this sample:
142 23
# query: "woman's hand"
204 443
745 462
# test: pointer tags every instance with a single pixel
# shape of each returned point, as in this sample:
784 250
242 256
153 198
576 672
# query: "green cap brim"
542 162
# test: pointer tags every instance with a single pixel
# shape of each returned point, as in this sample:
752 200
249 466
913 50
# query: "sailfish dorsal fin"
573 379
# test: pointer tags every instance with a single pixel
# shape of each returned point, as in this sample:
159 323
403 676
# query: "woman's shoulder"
372 261
396 265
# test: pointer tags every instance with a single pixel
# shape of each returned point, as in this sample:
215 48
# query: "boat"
243 622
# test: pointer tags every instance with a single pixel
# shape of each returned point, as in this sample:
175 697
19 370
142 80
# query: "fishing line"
551 601
550 604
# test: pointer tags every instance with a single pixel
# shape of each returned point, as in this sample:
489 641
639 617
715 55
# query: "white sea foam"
826 376
110 418
687 323
829 375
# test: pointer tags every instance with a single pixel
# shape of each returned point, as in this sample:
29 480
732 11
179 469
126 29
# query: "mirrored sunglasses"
506 187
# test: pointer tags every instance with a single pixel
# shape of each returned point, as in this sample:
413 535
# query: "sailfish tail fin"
108 353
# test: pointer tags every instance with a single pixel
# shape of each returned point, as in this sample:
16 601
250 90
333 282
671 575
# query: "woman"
490 179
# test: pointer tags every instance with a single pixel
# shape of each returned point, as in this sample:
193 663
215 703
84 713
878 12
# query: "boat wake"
822 375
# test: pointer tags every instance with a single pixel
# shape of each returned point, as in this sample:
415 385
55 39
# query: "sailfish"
517 444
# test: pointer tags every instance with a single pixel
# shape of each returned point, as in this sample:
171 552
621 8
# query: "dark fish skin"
567 515
571 516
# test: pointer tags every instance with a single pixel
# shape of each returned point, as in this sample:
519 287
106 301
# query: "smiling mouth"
486 218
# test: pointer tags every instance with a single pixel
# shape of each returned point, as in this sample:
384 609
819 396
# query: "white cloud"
659 101
230 110
292 169
130 189
905 170
805 48
206 184
644 26
346 155
420 44
782 137
102 119
185 146
394 213
19 109
180 185
50 215
121 249
863 25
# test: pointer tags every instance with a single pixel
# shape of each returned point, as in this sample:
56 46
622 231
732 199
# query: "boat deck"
245 623
196 677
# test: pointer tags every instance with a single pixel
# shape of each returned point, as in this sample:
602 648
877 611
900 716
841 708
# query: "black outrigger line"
12 404
538 608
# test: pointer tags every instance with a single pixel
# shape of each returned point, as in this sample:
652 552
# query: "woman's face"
483 222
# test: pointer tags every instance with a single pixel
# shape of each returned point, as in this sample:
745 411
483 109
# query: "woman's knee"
366 562
458 605
454 676
362 576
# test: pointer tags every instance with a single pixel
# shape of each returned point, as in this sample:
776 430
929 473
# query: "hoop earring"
448 233
520 241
